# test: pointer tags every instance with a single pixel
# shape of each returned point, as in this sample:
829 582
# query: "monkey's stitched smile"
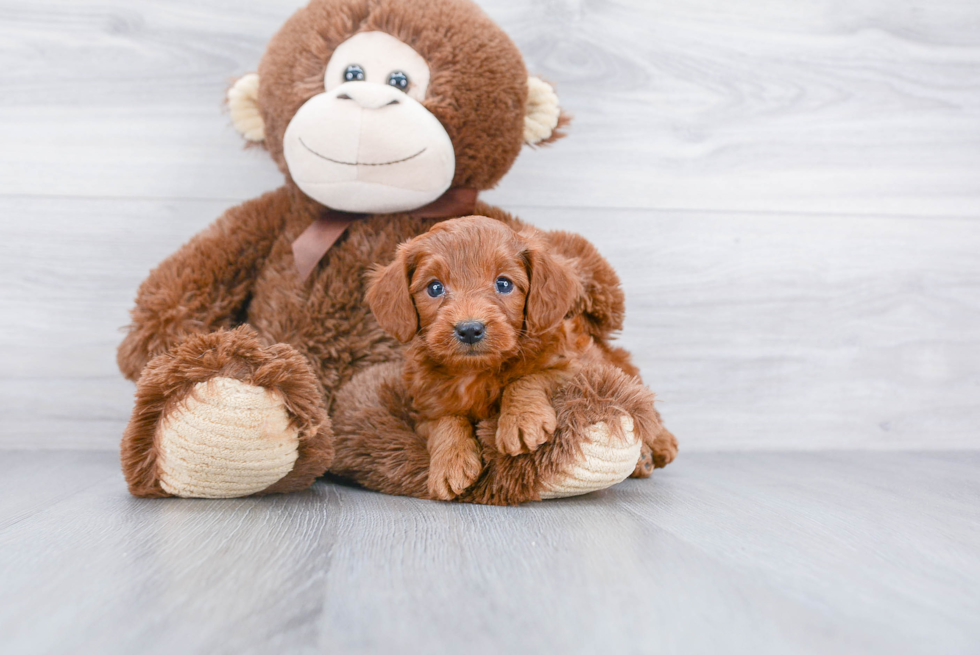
347 163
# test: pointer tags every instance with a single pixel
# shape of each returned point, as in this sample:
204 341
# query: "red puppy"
484 309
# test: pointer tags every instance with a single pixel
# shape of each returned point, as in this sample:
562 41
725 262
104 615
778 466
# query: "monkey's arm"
205 285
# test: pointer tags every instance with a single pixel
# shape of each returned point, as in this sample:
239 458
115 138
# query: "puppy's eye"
435 289
504 285
399 80
354 73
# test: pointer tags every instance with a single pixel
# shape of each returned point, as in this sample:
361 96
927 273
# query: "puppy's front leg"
527 418
454 456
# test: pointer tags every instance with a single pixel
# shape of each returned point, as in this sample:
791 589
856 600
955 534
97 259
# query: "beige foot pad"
607 460
226 439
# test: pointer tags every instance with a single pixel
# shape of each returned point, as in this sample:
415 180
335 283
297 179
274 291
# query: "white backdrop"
790 191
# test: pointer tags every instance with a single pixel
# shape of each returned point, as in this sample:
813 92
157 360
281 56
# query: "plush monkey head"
381 106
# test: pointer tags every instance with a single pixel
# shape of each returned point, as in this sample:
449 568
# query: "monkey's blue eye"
354 73
504 285
399 80
435 289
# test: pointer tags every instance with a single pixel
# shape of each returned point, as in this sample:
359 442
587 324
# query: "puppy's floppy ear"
390 299
554 287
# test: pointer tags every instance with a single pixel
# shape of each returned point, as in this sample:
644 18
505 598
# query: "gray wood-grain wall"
790 191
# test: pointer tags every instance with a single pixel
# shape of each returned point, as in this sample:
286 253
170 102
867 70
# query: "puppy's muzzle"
470 332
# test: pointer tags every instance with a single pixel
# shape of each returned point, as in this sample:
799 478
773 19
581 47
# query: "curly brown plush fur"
477 89
525 350
307 338
378 446
237 354
240 269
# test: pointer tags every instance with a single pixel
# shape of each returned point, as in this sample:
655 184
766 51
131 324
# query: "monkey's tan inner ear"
543 112
243 104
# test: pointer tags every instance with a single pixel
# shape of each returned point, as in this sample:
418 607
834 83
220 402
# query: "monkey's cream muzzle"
368 147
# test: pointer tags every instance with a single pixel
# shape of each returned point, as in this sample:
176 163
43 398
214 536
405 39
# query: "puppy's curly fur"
488 313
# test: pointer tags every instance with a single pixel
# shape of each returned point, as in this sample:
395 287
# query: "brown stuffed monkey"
385 116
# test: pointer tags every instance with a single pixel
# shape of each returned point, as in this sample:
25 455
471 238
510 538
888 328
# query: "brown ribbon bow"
310 246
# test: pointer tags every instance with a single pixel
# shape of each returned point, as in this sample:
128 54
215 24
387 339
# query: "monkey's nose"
470 331
369 95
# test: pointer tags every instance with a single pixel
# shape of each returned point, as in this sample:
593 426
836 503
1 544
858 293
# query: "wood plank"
33 482
756 331
199 573
734 552
870 109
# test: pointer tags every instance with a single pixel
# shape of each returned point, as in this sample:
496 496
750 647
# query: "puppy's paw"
664 449
644 465
453 470
524 429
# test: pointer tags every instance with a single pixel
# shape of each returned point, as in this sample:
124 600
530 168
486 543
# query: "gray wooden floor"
724 552
790 190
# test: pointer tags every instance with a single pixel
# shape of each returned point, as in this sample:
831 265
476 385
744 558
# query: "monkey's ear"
243 103
390 299
543 118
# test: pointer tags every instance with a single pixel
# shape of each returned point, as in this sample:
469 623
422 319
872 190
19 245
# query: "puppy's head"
471 289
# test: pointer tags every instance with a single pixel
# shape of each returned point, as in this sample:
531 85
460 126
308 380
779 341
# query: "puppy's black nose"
470 331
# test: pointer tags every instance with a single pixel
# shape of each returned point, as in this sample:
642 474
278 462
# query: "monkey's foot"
227 438
604 419
222 415
607 459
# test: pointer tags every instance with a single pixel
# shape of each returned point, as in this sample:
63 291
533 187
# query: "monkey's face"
380 107
367 144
